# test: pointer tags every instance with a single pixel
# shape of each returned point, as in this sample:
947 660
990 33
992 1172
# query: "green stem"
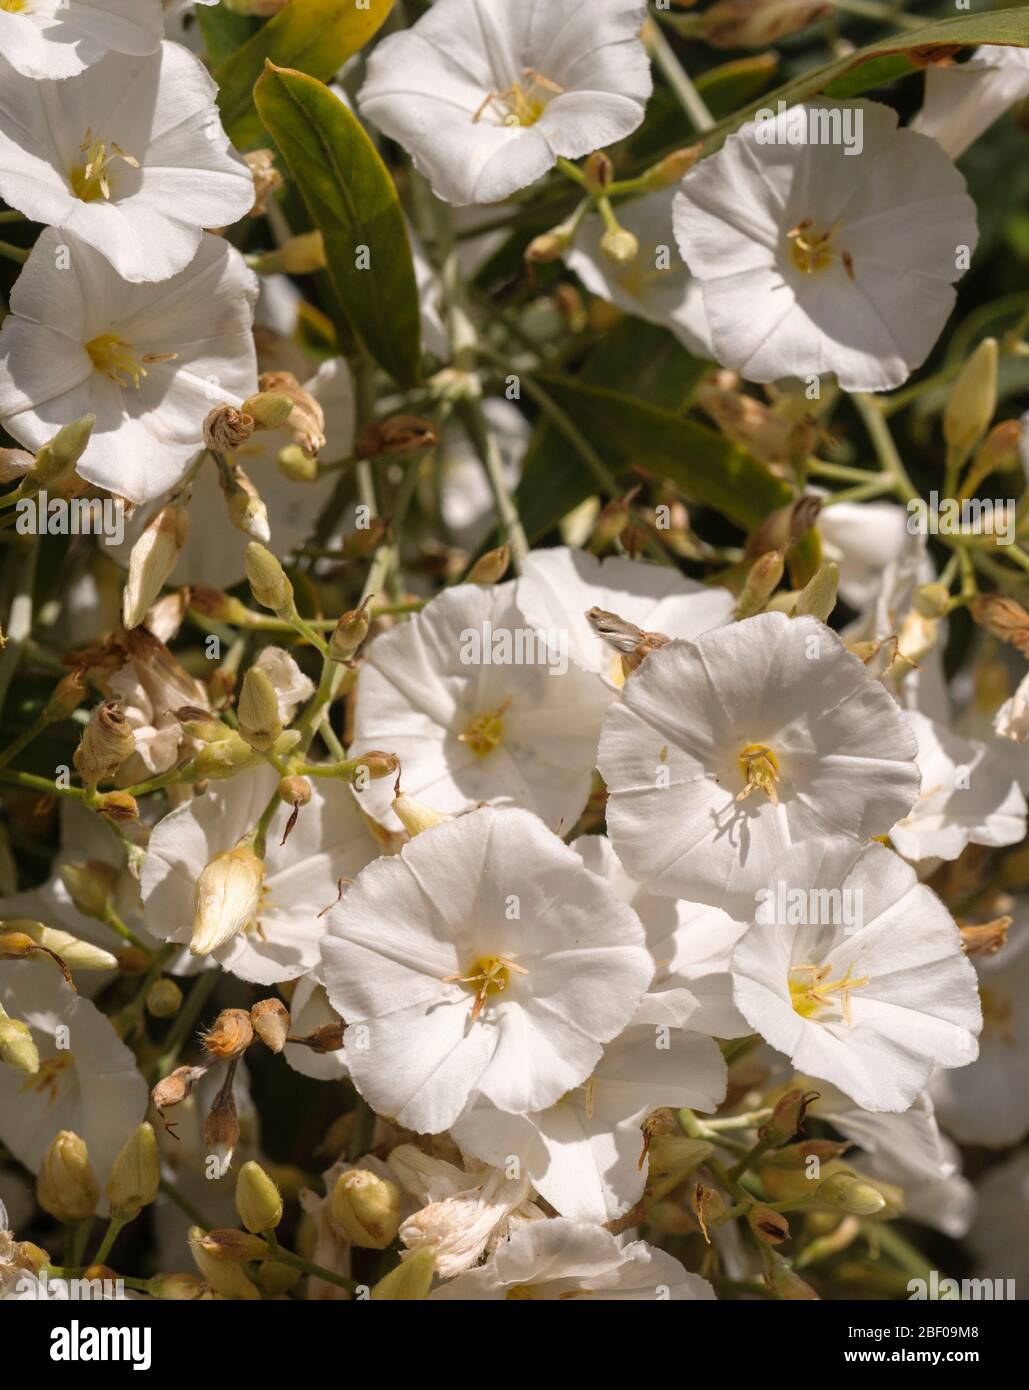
484 440
183 1202
184 1021
287 1257
19 621
882 441
679 81
114 1229
13 253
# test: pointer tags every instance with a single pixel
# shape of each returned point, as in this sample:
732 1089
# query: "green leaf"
842 77
223 31
625 430
727 86
312 36
353 203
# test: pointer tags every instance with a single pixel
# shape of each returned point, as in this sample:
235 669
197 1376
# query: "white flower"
484 958
150 361
1000 1235
87 1080
988 1102
656 286
561 1259
558 586
968 796
813 260
130 157
328 842
59 38
863 538
477 707
486 95
1012 719
691 945
463 1214
290 684
584 1153
963 100
727 750
874 991
309 1009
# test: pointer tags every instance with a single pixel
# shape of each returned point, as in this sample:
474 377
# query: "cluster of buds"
23 939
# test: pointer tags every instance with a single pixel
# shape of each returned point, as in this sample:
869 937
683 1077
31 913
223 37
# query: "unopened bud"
769 1227
999 449
176 1288
787 1118
818 597
297 466
781 1279
1005 618
671 1158
758 23
851 1194
56 460
90 885
107 742
270 1018
258 1200
66 697
671 170
798 1155
295 791
762 580
135 1174
610 524
972 398
599 173
619 246
267 580
414 816
240 1246
176 1086
307 420
367 1207
258 711
225 1276
164 999
491 567
269 410
248 513
79 955
785 526
17 1048
153 558
228 898
226 429
327 1038
399 434
373 765
66 1186
275 1278
411 1280
221 1130
349 633
230 1035
548 246
212 603
931 600
301 255
709 1208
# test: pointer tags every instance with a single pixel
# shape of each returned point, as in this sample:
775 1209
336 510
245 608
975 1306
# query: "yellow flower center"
760 768
12 6
812 993
812 250
487 975
523 103
47 1079
117 359
996 1016
486 731
90 180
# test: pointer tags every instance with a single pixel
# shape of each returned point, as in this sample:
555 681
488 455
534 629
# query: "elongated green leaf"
223 31
312 36
353 203
625 430
841 77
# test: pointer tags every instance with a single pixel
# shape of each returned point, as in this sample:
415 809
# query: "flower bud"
350 632
297 466
176 1288
619 246
676 1154
797 1155
610 525
269 410
972 398
672 169
300 255
240 1246
398 434
781 1279
411 1280
230 1035
295 791
17 1048
164 999
599 173
548 246
258 1200
90 886
787 1118
226 429
135 1174
307 420
769 1227
267 179
818 597
414 815
758 23
258 711
851 1194
373 765
327 1038
762 580
222 759
367 1207
212 603
785 526
117 806
267 579
107 742
176 1086
67 695
491 567
66 1187
271 1021
56 460
275 1278
225 1276
79 955
931 600
153 558
228 898
247 511
1005 618
221 1129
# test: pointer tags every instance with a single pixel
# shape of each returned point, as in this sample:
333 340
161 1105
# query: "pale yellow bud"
851 1194
267 580
90 885
307 421
297 466
619 246
349 633
269 409
672 168
258 1200
248 514
79 955
258 711
367 1207
153 558
240 1246
228 898
176 1288
818 597
66 1187
972 399
56 460
225 1276
135 1174
301 255
491 567
411 1280
164 999
548 246
17 1048
762 580
414 815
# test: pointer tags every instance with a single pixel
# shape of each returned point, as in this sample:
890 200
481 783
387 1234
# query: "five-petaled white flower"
813 260
149 361
130 157
484 959
486 95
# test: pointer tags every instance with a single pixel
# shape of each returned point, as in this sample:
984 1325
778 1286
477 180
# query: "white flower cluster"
635 919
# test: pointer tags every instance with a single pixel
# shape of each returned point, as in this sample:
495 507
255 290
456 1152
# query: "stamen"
47 1079
812 251
520 105
90 181
815 994
488 975
117 359
486 731
760 768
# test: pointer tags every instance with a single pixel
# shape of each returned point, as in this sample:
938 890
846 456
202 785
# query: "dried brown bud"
758 23
230 1035
221 1129
239 1246
626 638
267 179
1004 618
66 697
785 526
176 1086
350 632
327 1038
117 806
270 1018
987 938
769 1227
307 421
295 791
599 173
400 434
107 742
787 1118
226 429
